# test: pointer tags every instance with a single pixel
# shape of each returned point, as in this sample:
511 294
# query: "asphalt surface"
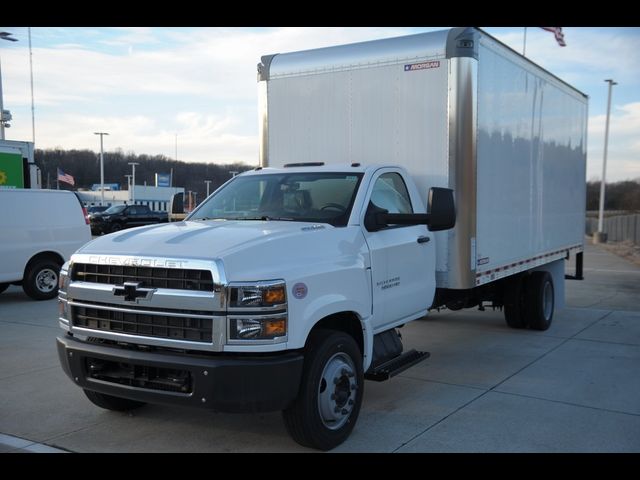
485 388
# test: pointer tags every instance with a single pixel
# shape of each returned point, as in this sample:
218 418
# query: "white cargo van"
39 230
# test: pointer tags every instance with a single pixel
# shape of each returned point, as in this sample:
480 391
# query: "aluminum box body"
458 109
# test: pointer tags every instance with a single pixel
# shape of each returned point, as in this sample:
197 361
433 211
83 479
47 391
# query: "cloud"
201 138
210 71
588 50
144 85
623 156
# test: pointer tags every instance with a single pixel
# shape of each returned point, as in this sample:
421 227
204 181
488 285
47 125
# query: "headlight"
258 294
63 310
64 278
258 328
261 312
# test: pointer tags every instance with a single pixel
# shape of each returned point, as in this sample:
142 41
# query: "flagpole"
524 44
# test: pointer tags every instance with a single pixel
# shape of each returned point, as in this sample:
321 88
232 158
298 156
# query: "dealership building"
156 198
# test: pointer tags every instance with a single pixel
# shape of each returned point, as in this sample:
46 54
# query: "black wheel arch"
46 255
347 322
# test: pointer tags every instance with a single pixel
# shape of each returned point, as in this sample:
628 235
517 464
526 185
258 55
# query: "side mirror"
177 203
375 218
441 216
441 208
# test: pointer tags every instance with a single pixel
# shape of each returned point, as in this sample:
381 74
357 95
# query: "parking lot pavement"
485 388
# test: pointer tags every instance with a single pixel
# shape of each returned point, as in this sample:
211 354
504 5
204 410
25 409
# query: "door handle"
423 239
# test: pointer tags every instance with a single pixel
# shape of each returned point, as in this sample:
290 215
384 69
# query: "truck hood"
197 239
249 250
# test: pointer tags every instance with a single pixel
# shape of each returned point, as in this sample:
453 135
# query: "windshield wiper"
264 218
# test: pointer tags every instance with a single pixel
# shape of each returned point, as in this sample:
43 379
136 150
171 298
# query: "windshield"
302 197
115 209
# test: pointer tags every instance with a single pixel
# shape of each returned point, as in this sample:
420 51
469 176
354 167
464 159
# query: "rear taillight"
86 215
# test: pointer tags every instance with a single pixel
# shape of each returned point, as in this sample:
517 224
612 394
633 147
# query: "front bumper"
97 227
225 382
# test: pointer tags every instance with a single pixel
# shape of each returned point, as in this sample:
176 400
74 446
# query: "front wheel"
327 407
41 279
3 287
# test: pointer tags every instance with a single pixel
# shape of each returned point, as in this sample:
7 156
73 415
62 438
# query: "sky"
150 86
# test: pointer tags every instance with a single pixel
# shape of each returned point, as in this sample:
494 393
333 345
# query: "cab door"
402 256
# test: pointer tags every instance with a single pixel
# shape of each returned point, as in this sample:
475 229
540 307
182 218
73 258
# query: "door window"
390 193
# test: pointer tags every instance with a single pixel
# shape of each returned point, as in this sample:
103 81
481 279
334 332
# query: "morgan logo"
421 66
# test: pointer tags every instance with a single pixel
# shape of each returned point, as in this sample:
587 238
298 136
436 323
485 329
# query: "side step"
396 365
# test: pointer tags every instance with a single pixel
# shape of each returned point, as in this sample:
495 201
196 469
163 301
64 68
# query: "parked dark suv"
96 209
118 217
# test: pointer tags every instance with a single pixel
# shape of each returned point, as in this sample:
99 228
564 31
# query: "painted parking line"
18 444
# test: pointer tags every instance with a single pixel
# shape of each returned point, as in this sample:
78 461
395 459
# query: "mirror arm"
403 218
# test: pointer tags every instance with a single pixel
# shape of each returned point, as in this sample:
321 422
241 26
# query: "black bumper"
232 383
97 228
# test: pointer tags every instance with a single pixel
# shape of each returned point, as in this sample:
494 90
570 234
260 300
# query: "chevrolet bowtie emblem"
131 291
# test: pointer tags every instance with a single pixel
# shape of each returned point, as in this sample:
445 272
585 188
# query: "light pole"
102 134
129 186
133 181
33 108
600 236
207 182
4 117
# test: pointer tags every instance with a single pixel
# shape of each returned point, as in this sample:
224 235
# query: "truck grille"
141 376
151 277
144 324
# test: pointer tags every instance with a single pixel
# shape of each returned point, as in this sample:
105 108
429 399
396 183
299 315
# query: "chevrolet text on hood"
136 262
396 176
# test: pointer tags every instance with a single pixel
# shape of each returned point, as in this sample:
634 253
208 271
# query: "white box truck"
397 176
17 165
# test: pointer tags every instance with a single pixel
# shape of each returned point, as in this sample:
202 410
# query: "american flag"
65 177
557 31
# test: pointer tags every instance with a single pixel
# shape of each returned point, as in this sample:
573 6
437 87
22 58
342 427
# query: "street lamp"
600 236
129 186
5 116
102 134
133 181
207 182
233 174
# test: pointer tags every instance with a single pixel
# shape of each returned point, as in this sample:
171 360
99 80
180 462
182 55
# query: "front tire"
41 280
3 287
110 402
540 300
116 227
327 407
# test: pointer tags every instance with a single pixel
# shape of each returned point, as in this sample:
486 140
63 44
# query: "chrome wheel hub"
46 280
337 391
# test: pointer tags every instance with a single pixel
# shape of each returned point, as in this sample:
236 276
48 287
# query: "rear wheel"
514 312
540 300
41 279
330 396
110 402
3 287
